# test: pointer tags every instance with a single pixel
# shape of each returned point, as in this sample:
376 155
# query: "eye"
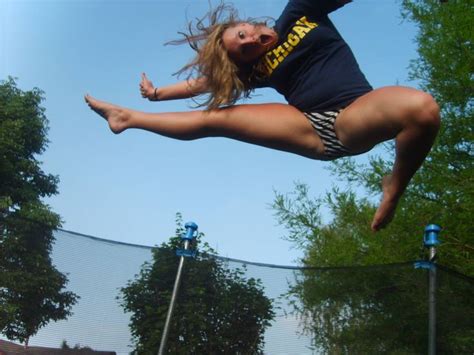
241 34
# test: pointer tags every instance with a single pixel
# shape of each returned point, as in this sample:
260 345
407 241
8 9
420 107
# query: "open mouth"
265 39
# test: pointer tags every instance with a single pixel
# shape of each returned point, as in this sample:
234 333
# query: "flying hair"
226 80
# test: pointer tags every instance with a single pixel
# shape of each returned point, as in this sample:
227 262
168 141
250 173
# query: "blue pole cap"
430 237
191 229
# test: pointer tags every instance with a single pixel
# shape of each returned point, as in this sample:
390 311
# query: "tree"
441 192
31 289
77 348
218 310
383 310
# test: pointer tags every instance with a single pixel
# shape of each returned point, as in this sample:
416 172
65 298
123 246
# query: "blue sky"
129 187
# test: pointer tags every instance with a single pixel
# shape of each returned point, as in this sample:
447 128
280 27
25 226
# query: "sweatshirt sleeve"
318 8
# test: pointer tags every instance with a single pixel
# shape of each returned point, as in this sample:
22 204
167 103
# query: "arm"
180 90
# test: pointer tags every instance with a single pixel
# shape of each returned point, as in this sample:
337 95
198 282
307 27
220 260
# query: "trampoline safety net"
288 310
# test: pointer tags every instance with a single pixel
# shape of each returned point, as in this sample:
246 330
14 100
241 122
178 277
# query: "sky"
129 187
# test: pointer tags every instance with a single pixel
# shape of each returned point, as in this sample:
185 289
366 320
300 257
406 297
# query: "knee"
212 122
426 111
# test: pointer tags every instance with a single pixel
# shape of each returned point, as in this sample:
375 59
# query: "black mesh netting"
356 310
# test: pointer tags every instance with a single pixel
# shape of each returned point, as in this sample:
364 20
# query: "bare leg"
408 115
411 117
276 126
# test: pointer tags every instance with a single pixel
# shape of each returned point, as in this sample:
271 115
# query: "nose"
252 34
252 38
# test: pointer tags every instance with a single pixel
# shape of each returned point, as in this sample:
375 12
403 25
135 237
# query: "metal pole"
190 235
432 312
430 241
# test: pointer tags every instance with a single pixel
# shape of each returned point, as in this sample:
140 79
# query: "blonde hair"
227 81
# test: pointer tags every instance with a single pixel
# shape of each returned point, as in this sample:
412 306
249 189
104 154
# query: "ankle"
392 191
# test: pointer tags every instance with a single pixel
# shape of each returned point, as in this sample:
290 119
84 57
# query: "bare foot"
386 211
116 116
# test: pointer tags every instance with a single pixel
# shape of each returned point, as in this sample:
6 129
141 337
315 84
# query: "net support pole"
190 234
430 242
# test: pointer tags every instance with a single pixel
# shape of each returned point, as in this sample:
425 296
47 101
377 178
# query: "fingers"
143 80
142 91
143 85
146 86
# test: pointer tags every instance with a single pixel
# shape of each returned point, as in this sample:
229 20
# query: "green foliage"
347 240
383 310
445 46
30 286
218 310
23 128
445 68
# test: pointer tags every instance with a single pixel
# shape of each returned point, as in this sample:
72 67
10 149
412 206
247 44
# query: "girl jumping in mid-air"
332 110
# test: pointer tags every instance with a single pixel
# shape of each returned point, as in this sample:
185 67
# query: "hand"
146 88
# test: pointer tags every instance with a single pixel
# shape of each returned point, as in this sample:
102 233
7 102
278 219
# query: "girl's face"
246 42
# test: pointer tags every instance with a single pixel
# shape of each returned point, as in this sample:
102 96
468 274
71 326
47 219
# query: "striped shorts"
323 123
